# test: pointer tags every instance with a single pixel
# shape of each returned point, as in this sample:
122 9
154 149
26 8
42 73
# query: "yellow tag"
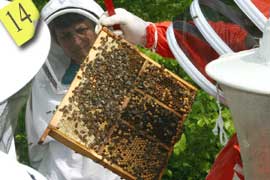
19 17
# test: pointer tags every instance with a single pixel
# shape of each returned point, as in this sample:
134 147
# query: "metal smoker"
244 78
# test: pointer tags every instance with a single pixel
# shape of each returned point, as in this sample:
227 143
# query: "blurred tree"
152 10
40 3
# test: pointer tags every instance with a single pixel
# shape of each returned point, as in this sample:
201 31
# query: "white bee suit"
18 66
12 170
52 159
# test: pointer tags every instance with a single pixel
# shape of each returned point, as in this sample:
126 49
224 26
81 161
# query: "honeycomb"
123 110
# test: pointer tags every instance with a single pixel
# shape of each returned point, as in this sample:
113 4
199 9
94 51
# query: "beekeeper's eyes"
82 30
66 35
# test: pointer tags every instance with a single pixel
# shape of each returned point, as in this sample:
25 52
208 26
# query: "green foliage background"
195 152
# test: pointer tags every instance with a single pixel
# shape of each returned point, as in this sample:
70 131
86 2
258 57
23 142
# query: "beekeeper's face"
76 40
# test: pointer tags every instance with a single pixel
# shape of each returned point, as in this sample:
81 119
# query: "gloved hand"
133 28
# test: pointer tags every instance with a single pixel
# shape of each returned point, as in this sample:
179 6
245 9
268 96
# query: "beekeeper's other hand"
133 28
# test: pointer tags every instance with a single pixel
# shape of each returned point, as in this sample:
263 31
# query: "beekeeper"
208 29
72 25
18 66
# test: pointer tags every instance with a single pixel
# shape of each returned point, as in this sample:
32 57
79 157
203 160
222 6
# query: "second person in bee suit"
18 66
71 23
208 29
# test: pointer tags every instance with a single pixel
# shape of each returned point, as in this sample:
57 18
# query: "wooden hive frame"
125 132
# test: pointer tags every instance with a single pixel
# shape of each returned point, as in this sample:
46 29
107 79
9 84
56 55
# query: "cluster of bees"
135 154
126 108
152 118
159 83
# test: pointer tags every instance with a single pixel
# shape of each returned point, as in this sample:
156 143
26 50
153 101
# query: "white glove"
133 28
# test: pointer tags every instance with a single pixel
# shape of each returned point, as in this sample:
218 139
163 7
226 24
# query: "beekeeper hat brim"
19 65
